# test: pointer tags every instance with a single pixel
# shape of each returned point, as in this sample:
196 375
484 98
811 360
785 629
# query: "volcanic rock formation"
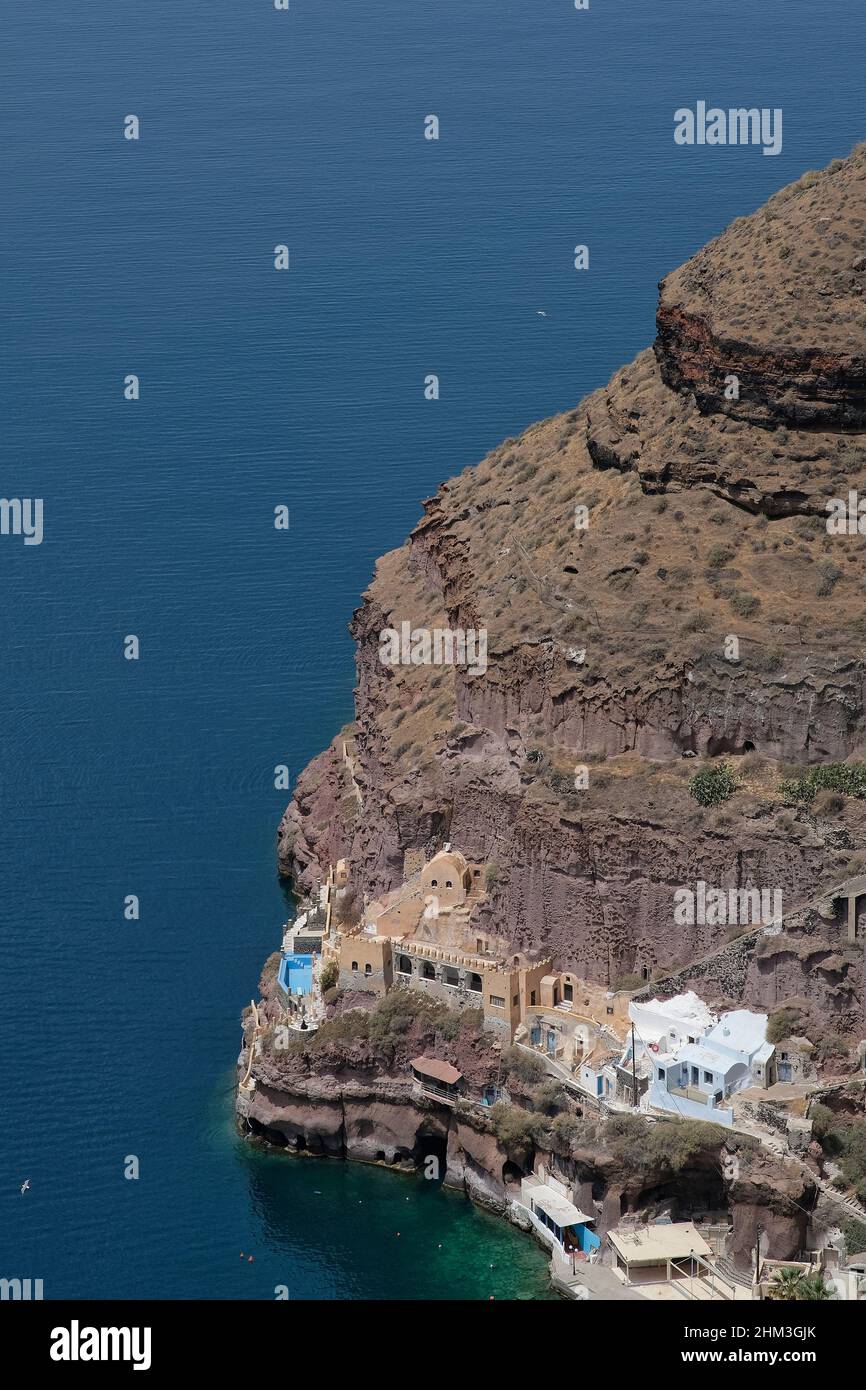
656 577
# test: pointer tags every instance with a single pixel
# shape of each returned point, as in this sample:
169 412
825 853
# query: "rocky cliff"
660 590
347 1092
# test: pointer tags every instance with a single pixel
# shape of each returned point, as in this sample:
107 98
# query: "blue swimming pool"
296 973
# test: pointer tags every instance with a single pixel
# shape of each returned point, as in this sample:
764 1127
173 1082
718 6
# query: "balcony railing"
691 1093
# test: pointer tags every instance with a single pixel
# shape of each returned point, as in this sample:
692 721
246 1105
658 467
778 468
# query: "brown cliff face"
777 300
609 642
347 1092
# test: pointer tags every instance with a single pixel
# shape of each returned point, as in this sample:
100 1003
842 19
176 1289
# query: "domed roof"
450 857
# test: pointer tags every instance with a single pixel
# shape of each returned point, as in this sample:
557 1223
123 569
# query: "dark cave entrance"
430 1154
511 1175
271 1135
716 746
694 1192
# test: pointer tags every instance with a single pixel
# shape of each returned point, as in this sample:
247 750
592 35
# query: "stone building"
422 936
365 963
448 879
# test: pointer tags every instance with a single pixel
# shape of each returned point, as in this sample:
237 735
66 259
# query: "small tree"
566 1129
781 1024
527 1067
786 1286
330 975
514 1129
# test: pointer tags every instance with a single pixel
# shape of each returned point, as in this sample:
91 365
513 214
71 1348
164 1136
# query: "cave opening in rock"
694 1192
430 1154
717 746
272 1135
511 1175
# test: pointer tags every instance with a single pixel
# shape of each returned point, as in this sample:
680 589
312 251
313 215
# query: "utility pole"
633 1069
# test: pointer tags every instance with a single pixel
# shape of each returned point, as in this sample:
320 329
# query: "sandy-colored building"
366 963
422 936
456 978
449 879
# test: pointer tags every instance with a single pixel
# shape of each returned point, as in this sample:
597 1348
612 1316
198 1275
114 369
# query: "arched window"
434 883
368 969
448 883
404 965
354 965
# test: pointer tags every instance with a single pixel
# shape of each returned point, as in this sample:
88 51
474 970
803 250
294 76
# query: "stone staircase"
777 1146
848 1204
729 1271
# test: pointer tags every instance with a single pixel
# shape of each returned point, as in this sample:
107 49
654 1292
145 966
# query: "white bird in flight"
25 1186
542 312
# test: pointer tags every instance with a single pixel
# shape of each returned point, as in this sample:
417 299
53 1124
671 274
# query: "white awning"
561 1212
654 1244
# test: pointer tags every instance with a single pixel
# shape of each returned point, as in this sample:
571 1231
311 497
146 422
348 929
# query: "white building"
668 1023
696 1072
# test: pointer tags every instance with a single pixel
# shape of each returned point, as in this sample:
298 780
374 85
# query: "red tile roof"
439 1071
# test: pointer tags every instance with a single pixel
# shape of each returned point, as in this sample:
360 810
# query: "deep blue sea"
303 388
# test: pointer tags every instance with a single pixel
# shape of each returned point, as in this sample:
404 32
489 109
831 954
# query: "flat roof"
559 1209
650 1245
699 1055
740 1029
440 1071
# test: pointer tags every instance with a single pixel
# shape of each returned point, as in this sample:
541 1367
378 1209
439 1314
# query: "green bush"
330 974
744 605
394 1015
351 1026
548 1098
718 556
769 659
781 1024
854 1233
847 778
566 1130
526 1067
831 1046
491 876
270 969
515 1130
699 621
822 1120
853 1156
471 1020
713 785
671 1145
449 1026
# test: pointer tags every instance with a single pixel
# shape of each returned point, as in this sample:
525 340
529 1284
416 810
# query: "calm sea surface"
305 389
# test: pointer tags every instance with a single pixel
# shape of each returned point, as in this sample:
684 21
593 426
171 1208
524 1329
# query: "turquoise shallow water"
156 778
